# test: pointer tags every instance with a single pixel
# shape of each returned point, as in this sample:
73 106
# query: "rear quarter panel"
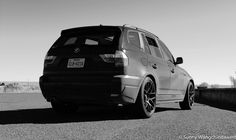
138 60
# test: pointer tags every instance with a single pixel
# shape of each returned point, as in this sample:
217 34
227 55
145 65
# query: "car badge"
76 50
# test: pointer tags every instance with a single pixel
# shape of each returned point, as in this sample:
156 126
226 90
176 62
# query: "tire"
64 107
146 101
188 101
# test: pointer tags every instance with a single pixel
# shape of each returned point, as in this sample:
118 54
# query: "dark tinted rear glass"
95 37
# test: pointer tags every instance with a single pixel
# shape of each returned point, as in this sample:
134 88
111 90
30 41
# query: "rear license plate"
76 63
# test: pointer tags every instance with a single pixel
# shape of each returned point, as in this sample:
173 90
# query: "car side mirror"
179 60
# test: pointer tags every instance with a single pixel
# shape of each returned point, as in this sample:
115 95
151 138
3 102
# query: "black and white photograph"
117 70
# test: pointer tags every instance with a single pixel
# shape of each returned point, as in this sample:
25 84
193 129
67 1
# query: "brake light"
49 60
119 58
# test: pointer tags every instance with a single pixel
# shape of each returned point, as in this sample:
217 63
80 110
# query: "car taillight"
49 59
119 58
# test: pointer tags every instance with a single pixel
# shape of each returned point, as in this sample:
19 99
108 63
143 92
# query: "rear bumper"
119 89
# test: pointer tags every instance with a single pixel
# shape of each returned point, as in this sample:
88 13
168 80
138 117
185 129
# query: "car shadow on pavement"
161 109
48 116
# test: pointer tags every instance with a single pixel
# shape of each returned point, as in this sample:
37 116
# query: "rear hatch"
83 51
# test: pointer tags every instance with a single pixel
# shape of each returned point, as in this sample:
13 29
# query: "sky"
201 31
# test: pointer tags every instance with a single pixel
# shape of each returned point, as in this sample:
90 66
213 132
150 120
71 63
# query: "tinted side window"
167 54
146 47
133 38
152 43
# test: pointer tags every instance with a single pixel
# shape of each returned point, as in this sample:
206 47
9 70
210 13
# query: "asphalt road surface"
29 116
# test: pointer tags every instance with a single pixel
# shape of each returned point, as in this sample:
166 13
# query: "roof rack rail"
130 26
140 29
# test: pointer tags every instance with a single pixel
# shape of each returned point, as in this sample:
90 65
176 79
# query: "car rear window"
95 38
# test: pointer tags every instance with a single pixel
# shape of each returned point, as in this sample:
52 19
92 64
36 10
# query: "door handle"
172 70
154 66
